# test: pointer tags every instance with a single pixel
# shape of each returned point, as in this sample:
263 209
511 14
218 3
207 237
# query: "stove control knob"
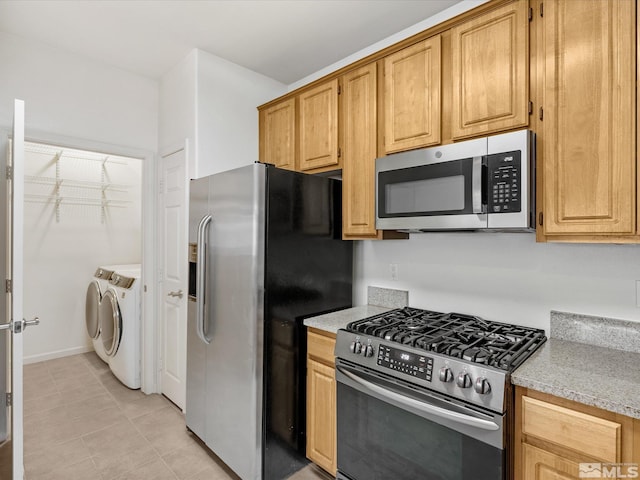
463 380
356 347
445 375
482 386
367 351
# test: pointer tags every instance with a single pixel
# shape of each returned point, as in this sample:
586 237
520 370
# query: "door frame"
149 357
159 278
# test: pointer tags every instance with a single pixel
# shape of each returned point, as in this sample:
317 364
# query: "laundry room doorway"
83 210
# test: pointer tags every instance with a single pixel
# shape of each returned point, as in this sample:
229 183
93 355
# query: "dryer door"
92 305
111 322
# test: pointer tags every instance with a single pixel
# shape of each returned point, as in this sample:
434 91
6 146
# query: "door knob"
18 327
26 323
175 294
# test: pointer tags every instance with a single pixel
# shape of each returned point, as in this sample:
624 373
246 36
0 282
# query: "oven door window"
379 441
428 190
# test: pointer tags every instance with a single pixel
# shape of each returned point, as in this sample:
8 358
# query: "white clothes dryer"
121 324
97 287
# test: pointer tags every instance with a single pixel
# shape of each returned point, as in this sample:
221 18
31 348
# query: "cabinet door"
278 135
412 96
588 127
319 127
489 71
359 155
321 415
543 465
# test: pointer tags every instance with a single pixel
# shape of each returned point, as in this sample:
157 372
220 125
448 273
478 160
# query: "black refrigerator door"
308 272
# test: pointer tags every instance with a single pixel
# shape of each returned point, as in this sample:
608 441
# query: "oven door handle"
421 406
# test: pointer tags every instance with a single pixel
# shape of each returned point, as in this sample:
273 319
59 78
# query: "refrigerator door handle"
201 275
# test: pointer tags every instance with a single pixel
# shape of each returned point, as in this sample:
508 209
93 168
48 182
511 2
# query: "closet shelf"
36 198
113 187
66 191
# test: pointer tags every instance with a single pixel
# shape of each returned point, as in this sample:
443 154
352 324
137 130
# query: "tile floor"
81 423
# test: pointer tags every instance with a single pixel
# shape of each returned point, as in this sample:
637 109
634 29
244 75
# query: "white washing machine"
97 287
120 316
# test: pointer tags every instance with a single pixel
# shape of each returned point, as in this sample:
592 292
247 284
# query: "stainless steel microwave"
482 184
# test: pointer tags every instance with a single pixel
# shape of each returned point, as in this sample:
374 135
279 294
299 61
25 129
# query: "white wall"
60 257
212 103
68 95
77 102
504 277
177 109
227 118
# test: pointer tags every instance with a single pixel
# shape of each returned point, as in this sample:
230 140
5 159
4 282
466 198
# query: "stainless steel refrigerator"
265 252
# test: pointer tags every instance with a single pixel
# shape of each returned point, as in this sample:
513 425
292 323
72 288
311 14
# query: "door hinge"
8 286
339 89
9 399
530 13
542 9
530 107
541 113
161 187
339 152
540 218
9 172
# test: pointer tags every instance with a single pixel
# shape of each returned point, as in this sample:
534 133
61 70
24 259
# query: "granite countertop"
380 300
332 322
607 378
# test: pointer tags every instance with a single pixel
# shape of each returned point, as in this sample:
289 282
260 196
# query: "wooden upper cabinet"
490 71
277 134
318 127
358 170
412 84
588 139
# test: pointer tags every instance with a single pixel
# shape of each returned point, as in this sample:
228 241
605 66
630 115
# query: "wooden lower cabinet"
321 400
556 439
543 465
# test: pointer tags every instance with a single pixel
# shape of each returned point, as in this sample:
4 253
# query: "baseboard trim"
58 354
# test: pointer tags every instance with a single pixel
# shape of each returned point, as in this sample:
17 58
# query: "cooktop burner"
470 338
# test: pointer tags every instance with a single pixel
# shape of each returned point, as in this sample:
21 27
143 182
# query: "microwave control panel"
504 178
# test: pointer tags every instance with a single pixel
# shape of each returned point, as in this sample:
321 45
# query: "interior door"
12 443
174 225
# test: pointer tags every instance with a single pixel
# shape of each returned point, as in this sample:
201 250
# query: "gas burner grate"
470 338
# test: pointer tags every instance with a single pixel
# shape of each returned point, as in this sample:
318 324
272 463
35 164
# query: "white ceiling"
282 39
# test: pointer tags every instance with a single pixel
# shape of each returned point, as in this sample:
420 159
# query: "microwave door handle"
476 185
201 275
427 408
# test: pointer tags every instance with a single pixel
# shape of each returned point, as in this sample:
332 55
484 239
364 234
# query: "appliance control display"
419 366
505 174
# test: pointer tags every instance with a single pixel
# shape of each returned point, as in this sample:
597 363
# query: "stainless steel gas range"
426 395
